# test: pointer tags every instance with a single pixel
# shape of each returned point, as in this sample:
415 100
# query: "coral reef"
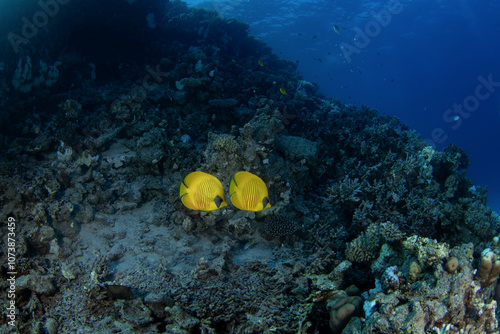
456 299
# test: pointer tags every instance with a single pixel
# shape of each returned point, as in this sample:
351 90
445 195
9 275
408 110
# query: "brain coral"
279 226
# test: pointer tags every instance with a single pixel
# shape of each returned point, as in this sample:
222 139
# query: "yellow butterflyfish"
283 91
202 191
261 63
248 192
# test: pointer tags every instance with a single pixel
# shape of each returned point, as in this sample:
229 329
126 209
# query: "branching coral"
347 190
365 247
390 232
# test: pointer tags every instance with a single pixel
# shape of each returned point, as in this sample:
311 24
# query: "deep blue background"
426 59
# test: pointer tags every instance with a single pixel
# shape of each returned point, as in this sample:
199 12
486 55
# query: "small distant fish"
261 63
314 36
299 34
248 192
337 29
283 91
233 60
202 191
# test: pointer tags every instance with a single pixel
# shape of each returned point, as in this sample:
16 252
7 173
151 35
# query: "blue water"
418 61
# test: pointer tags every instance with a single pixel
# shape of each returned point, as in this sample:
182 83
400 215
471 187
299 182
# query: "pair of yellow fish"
202 191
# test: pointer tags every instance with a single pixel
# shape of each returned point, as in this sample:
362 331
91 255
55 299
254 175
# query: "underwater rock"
71 108
264 127
41 238
414 271
202 270
41 284
85 214
69 271
41 143
136 312
118 155
385 259
239 225
117 291
116 252
451 185
157 302
181 318
297 148
62 219
39 213
333 280
50 326
188 224
205 269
